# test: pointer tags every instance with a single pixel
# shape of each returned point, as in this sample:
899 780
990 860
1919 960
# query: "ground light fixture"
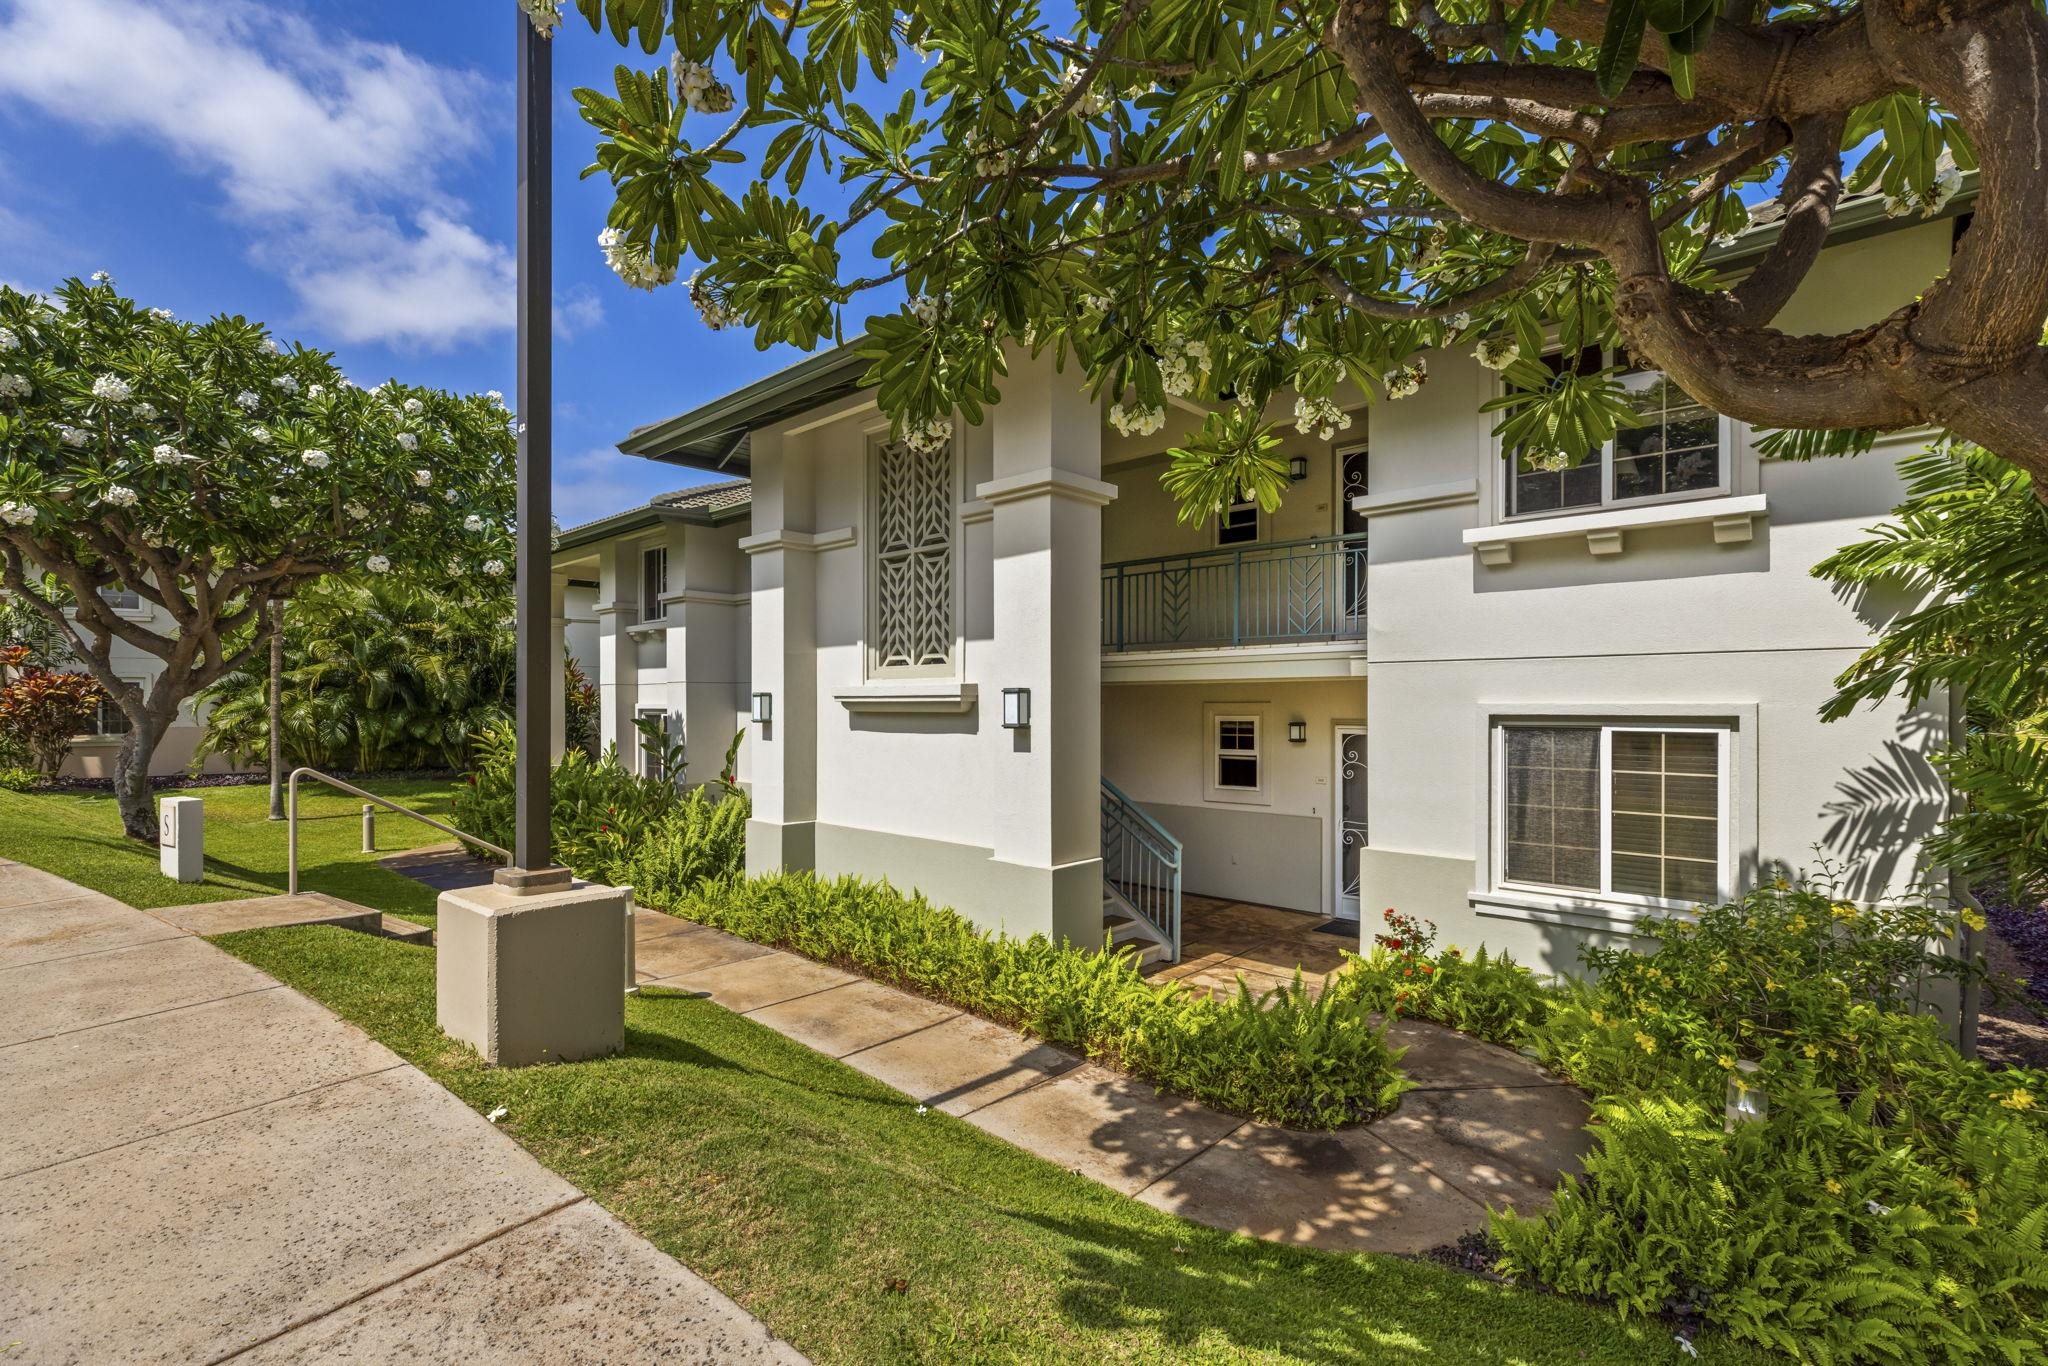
1297 467
764 708
1016 708
1747 1102
1297 732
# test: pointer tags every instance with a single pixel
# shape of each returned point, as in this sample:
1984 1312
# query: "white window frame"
1723 808
1214 715
658 609
950 669
645 765
96 735
139 608
1731 434
1258 522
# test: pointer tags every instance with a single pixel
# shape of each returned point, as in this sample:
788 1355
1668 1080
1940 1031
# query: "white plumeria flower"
16 514
451 495
270 345
120 495
276 501
924 1109
408 442
286 383
924 308
496 398
499 1113
699 88
494 567
454 566
112 389
1497 353
377 564
8 340
1136 421
101 277
356 511
73 436
168 454
317 391
1320 416
1458 322
414 407
631 262
546 17
14 386
926 437
1407 380
146 411
162 315
423 477
1090 104
472 523
247 400
261 434
315 458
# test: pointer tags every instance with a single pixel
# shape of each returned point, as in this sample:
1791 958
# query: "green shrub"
1285 1057
612 825
17 778
1890 1207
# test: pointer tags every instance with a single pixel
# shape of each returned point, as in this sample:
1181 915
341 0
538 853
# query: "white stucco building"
1529 706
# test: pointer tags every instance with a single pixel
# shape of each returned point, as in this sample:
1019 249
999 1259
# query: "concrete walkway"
1484 1127
198 1164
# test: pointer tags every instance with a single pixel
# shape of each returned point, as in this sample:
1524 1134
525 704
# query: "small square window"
1238 524
1237 753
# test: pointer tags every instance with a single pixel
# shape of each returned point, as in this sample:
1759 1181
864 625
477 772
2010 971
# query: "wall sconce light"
1016 708
764 708
1747 1103
1297 467
1297 732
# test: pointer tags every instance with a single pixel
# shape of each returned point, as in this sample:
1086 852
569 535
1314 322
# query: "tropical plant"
1286 1056
581 713
1213 202
42 710
210 472
1968 550
379 673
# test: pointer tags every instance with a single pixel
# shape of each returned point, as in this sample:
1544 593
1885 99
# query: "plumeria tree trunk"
149 716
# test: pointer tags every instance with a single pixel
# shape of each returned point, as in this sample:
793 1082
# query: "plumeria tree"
210 471
1222 200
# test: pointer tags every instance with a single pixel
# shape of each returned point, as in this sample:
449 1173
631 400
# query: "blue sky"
343 170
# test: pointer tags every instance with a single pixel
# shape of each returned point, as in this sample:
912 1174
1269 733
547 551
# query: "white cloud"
333 150
599 481
578 309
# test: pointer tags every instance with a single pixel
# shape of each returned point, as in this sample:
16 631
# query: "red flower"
1427 968
1408 972
604 829
1393 943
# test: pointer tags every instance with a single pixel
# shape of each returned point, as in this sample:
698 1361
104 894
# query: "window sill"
1589 912
945 697
653 627
1732 519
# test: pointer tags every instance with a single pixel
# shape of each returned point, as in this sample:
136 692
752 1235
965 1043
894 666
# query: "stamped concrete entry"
1483 1128
199 1164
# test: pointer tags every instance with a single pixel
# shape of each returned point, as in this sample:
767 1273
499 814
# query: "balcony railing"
1258 594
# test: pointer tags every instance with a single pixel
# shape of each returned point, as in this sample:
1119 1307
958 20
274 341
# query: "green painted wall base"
1244 853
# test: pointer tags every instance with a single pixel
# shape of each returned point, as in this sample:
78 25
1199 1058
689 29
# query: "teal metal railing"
1141 863
1257 594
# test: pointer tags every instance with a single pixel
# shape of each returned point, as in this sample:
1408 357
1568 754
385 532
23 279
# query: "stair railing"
1141 863
291 818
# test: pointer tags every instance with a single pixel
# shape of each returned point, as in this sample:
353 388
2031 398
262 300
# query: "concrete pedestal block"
533 978
181 838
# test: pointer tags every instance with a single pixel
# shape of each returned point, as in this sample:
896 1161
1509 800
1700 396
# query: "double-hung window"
1673 447
1623 811
1237 754
1238 524
122 599
653 583
915 544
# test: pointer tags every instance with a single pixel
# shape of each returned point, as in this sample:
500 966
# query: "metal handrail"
1141 863
1144 817
1267 592
1225 552
291 819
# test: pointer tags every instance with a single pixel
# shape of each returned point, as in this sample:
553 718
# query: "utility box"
181 838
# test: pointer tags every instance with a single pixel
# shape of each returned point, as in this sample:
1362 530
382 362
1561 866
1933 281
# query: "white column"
782 568
1048 498
617 670
707 582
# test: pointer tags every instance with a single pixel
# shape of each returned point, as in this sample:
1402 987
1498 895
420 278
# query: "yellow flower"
1834 1186
1645 1042
1727 1063
1770 984
2020 1099
1798 923
1812 1050
1843 910
1973 918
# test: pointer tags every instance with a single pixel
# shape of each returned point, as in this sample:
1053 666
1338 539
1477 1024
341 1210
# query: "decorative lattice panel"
914 557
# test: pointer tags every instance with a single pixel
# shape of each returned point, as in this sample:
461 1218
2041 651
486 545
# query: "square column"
618 669
1047 500
534 977
782 567
558 687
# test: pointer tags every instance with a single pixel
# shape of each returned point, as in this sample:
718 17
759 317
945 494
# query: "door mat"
1347 928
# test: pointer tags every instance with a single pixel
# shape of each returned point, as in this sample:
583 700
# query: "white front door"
1350 805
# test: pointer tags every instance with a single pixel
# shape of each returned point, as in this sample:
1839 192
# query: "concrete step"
269 912
393 927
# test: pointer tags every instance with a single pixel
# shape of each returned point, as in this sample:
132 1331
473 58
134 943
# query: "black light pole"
533 859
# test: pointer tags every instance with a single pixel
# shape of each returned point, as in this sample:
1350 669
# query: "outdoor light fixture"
1297 467
1297 732
764 708
1016 708
1747 1103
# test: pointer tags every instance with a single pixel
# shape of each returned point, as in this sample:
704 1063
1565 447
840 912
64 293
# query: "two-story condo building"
1528 705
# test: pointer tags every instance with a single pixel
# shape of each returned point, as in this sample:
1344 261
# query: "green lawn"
866 1232
78 835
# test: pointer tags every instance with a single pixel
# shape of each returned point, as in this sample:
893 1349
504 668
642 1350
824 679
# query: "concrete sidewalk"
199 1164
1484 1126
